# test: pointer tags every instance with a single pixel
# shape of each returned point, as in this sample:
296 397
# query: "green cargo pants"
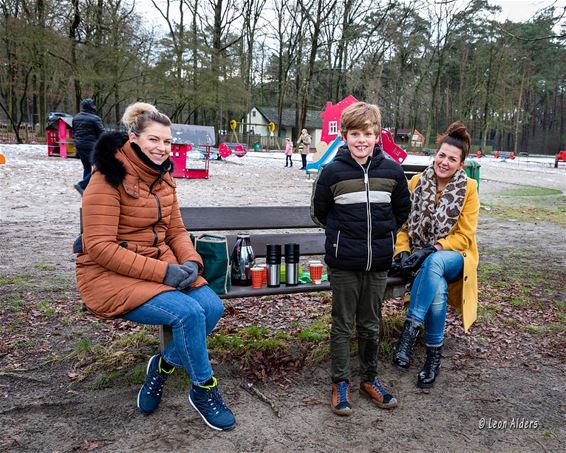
356 300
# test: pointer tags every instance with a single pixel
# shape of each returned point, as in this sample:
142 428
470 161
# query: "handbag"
216 261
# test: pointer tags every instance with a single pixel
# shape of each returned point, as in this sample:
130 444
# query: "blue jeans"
84 154
429 293
192 316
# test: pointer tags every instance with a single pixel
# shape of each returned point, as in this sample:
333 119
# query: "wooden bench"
266 225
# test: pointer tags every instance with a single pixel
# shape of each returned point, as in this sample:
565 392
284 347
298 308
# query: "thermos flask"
292 264
273 262
243 259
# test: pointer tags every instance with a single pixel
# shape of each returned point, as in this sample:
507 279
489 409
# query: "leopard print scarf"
428 221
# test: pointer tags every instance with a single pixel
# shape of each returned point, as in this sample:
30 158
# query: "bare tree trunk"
518 118
74 42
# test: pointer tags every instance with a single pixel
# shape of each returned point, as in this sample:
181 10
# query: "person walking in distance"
289 153
304 144
87 127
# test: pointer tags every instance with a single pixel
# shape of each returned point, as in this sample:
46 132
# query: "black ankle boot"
431 368
405 345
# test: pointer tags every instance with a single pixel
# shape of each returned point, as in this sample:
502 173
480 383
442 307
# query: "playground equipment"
560 157
392 150
191 146
179 156
226 149
505 155
59 137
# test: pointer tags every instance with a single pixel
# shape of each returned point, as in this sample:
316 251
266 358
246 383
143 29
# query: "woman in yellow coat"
438 246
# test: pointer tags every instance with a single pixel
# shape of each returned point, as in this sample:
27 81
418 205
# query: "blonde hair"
360 115
139 114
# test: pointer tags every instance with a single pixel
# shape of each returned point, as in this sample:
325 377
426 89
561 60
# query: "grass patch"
531 214
144 337
535 330
530 191
20 280
44 266
56 283
12 304
44 306
316 332
487 312
519 302
126 376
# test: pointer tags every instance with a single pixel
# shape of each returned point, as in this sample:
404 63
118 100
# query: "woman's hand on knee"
175 275
191 268
414 261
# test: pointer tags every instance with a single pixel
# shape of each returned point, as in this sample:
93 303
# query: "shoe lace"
377 385
342 392
212 400
156 383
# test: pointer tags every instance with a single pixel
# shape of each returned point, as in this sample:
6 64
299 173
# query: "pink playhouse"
191 150
59 137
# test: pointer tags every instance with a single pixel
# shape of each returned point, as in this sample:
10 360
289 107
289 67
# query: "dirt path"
503 375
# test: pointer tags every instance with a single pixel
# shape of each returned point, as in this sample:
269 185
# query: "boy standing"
361 199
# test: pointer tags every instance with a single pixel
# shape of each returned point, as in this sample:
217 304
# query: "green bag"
216 260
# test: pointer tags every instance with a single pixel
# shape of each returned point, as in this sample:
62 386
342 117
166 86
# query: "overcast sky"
514 10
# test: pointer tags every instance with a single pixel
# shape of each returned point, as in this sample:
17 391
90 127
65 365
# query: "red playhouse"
560 157
331 129
191 150
59 137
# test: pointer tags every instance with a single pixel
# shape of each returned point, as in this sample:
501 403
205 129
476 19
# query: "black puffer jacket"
87 127
361 209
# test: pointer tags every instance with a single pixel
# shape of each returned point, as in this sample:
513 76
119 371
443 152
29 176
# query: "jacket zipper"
158 202
368 212
337 243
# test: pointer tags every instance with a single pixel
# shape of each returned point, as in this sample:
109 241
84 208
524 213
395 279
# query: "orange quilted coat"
132 228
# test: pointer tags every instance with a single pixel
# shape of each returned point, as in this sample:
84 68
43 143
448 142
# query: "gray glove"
192 270
175 275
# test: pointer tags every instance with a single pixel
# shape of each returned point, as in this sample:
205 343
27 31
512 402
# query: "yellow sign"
271 127
233 125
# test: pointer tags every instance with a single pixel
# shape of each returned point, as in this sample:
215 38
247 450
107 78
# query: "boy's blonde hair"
360 115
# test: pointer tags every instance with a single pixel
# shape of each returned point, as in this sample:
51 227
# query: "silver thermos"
273 262
292 254
243 259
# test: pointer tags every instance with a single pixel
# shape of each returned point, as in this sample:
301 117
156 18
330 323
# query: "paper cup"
315 270
264 275
257 277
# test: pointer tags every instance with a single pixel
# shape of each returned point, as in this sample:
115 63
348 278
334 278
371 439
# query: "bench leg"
165 336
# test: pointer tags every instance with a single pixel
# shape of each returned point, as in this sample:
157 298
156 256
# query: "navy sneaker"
208 402
149 395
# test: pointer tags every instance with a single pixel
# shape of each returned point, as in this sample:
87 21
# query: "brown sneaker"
341 403
378 394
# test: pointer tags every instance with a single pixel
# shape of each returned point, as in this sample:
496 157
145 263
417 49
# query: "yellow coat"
462 294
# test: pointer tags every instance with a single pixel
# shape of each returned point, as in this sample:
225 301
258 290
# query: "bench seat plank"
247 218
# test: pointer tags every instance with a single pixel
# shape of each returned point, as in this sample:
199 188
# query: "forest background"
424 63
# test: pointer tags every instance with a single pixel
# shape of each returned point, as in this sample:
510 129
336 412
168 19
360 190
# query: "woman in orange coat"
138 262
438 244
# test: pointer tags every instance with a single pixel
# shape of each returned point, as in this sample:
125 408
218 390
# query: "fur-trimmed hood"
112 156
104 157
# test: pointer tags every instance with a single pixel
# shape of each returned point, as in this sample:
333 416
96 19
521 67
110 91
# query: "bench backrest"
233 220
